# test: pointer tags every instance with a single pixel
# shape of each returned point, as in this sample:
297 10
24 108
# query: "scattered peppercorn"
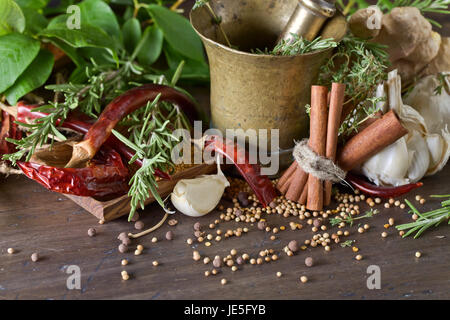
139 225
309 261
304 279
418 254
11 250
124 262
35 257
293 245
91 232
123 248
169 235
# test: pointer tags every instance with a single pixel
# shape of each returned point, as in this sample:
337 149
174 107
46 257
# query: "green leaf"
97 13
34 76
35 22
192 69
152 46
16 53
11 17
87 36
70 51
32 4
131 33
178 32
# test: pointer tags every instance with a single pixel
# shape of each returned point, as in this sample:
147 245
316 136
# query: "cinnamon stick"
334 122
286 175
298 183
304 195
317 142
370 141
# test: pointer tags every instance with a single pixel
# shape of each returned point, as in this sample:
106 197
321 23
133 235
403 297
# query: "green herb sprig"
350 220
426 219
298 45
361 66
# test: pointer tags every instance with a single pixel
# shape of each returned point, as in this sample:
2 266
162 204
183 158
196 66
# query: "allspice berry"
217 262
35 257
262 225
122 236
293 246
309 261
92 232
317 223
123 248
126 241
169 235
197 226
139 225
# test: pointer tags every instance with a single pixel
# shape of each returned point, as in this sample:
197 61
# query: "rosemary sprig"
298 45
426 219
347 243
41 130
350 220
153 141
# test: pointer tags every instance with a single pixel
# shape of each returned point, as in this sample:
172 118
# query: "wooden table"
33 219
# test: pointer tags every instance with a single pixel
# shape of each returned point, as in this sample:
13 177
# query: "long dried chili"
118 109
260 184
377 191
81 123
8 129
106 174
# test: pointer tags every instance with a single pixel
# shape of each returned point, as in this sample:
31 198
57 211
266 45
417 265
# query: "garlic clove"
199 196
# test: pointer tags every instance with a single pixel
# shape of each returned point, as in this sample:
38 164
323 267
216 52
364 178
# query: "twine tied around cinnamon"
320 167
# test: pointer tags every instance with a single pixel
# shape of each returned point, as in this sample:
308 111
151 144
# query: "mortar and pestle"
261 91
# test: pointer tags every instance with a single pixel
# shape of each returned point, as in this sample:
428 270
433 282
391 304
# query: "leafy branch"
426 219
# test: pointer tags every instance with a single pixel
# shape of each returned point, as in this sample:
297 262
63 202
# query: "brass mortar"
258 91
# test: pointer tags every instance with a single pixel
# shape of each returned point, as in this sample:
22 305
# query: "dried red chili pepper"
8 129
104 175
81 123
377 191
118 109
261 185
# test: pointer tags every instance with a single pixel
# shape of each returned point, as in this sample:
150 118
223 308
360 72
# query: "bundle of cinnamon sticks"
299 186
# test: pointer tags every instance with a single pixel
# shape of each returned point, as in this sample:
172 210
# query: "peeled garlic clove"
199 196
420 161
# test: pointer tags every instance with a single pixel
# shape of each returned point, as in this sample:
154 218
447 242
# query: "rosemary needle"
426 219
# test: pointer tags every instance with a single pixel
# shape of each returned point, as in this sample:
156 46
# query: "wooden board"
113 209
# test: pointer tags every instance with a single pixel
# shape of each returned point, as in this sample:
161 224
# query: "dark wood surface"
33 219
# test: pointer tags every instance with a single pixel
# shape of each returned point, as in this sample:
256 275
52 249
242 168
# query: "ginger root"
411 43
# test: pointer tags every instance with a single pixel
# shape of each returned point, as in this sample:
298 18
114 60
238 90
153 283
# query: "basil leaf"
87 36
11 17
131 33
17 51
151 49
35 22
34 76
178 32
32 4
195 70
98 14
71 52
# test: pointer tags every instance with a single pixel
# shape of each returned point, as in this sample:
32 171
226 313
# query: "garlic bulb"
422 151
199 196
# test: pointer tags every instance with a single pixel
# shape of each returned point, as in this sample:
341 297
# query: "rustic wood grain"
33 219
